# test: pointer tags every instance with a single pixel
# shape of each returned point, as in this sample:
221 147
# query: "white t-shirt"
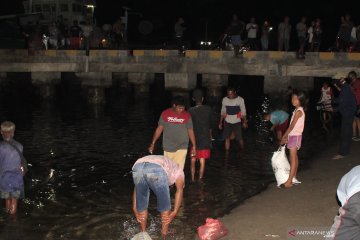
311 33
233 109
252 30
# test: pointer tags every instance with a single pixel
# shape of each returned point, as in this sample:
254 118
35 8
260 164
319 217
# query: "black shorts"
233 127
302 40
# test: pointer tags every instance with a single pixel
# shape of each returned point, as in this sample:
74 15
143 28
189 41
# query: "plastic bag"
213 229
141 236
280 165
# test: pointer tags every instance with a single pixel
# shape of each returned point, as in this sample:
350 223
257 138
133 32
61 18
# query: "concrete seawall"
277 68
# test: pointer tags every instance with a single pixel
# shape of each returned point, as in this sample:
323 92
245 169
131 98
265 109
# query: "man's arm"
192 140
222 114
243 113
156 136
178 197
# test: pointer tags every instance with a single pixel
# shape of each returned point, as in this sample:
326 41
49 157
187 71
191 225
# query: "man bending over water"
157 173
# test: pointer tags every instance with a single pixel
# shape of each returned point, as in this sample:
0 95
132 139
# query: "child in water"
279 121
293 135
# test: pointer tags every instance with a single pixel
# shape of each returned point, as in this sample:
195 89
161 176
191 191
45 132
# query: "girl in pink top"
293 135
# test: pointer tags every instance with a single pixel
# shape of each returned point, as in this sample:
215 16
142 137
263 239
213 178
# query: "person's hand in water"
166 219
140 217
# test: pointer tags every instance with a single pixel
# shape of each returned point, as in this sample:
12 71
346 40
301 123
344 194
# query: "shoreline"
274 212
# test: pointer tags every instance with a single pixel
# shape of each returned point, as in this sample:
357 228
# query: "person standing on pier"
201 116
179 34
177 125
235 30
233 117
284 33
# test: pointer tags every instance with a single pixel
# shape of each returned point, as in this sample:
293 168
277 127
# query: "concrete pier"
46 82
180 81
95 94
141 82
214 83
3 75
280 69
95 78
277 84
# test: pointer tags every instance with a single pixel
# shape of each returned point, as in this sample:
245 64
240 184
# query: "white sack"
280 165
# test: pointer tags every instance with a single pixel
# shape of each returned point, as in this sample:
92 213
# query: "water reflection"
79 186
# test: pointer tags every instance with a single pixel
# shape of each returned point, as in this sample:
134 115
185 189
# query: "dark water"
90 150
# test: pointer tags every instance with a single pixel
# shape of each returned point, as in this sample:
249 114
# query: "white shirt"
349 185
311 33
230 107
252 30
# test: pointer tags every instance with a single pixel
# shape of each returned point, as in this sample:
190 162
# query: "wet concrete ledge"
271 63
309 206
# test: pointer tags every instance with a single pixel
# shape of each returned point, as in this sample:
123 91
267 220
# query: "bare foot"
286 185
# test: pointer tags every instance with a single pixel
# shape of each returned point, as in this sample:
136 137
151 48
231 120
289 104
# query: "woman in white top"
326 108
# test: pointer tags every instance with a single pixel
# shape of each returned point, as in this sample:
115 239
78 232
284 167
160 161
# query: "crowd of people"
77 35
309 36
237 36
178 127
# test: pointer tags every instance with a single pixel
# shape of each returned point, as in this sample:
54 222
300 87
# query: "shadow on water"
81 155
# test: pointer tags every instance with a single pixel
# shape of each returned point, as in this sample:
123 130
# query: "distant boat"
69 10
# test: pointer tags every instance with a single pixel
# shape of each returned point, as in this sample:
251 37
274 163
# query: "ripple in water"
80 186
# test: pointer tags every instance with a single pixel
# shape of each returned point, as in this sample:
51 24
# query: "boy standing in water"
11 171
293 135
201 116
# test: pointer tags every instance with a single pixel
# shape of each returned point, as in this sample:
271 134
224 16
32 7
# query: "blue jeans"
148 176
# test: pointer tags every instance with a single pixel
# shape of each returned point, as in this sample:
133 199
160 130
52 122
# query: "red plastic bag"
213 229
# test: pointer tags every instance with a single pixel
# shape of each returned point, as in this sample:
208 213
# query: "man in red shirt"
355 84
176 125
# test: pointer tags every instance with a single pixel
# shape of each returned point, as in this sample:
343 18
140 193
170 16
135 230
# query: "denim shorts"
152 176
236 39
16 194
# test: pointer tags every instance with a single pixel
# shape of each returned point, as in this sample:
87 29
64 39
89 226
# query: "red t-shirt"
175 135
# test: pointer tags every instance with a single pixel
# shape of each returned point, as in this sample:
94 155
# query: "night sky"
216 14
